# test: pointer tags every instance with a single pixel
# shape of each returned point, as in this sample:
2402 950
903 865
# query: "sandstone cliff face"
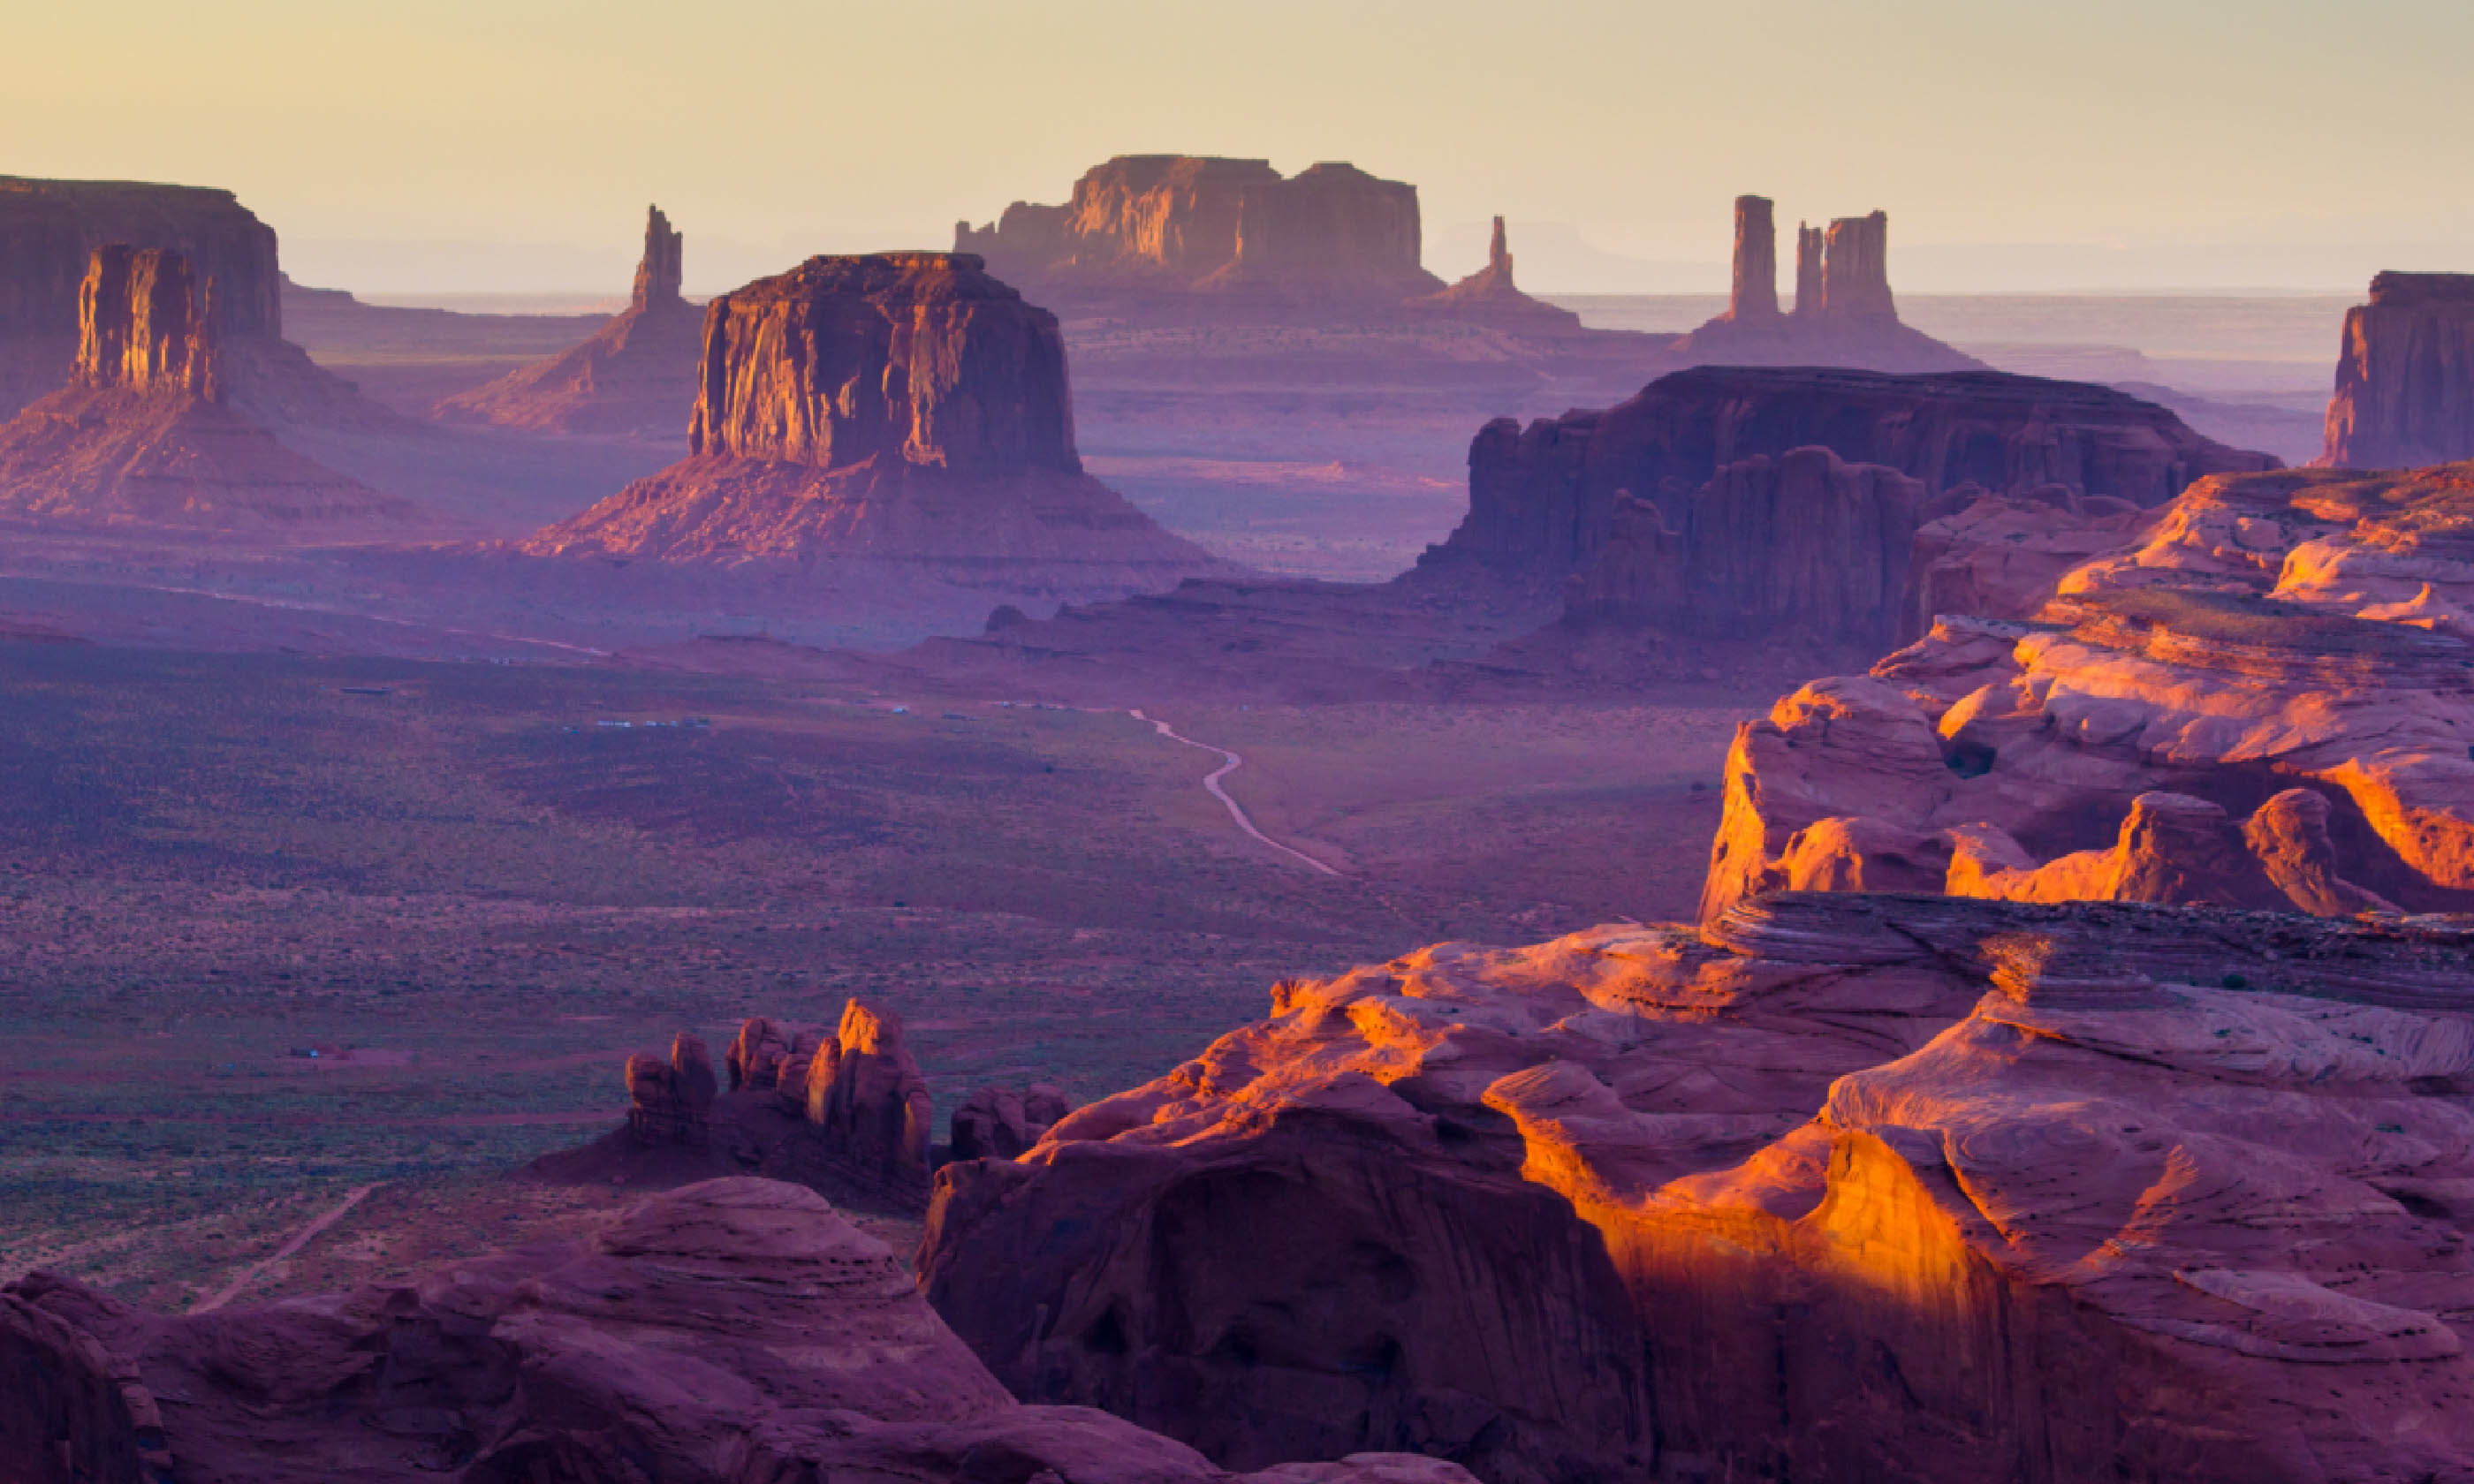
1181 222
906 406
1800 546
636 374
2265 696
2405 375
143 434
1836 1187
732 1332
1754 294
1541 498
49 231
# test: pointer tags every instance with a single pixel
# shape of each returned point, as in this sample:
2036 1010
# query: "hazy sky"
2036 143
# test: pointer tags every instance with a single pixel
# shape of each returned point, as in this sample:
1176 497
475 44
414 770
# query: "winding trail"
300 1239
1236 811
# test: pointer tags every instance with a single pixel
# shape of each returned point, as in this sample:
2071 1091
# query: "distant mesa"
637 374
1844 312
2405 375
902 406
1543 498
49 231
145 433
1223 226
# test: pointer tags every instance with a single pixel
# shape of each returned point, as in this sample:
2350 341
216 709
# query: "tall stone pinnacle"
657 276
1756 286
1808 244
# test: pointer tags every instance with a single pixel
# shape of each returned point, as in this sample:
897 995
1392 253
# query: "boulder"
733 1331
1831 1187
2405 375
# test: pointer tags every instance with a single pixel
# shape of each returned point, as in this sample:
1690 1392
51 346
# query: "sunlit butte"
462 144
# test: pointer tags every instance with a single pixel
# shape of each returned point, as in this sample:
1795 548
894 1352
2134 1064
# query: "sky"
513 145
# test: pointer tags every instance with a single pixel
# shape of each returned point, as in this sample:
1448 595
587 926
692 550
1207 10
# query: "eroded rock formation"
905 406
1844 312
1489 296
1152 221
1801 547
1834 1187
636 374
1542 499
2264 697
2405 375
731 1331
144 433
843 1109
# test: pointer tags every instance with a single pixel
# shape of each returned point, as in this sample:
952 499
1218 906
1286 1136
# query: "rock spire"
1756 286
657 274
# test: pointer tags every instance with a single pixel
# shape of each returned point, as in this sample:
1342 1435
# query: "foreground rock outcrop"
2263 698
905 407
732 1332
2405 375
145 434
843 1109
636 374
1227 226
1834 1187
1542 500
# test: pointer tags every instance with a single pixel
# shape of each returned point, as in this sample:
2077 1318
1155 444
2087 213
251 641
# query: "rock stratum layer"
1188 223
734 1331
2405 375
49 231
1835 1186
904 406
1543 498
144 434
636 374
2263 698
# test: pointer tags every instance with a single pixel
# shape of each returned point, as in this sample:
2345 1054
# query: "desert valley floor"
472 894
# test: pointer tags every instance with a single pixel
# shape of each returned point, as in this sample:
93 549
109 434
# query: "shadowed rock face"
1800 543
902 405
2263 697
1542 499
1183 222
2405 375
1754 296
911 357
1840 1187
732 1332
636 374
49 231
142 434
